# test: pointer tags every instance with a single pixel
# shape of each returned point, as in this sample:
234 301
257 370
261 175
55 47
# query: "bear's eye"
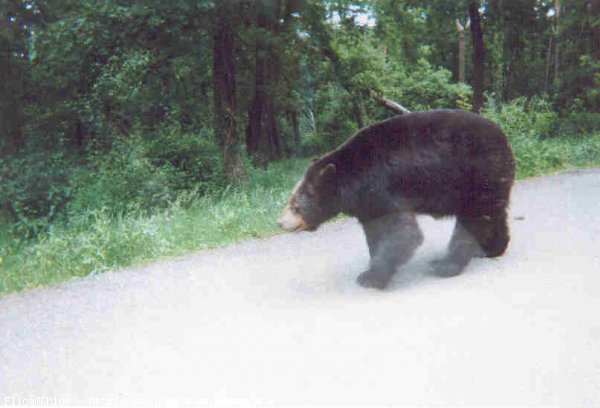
301 202
295 207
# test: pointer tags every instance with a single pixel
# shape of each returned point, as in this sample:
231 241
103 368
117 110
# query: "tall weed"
97 240
99 236
529 125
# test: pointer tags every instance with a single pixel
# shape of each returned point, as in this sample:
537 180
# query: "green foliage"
123 180
193 157
536 118
343 98
100 72
140 174
577 124
120 84
533 118
429 88
334 123
107 155
363 63
34 191
136 174
96 240
529 124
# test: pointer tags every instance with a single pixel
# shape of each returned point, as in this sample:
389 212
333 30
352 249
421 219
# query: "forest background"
133 130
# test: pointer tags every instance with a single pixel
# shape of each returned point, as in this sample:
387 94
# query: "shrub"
521 117
35 188
122 180
429 88
193 157
140 174
529 125
95 240
334 123
576 124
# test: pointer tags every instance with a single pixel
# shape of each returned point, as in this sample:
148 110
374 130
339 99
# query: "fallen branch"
395 106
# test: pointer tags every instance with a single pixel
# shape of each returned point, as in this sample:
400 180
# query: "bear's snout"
291 221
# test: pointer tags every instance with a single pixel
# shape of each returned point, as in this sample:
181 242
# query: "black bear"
438 162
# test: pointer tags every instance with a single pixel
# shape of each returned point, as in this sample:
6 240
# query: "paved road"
280 321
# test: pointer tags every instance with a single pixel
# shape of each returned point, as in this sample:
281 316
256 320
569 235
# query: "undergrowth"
94 240
97 240
543 142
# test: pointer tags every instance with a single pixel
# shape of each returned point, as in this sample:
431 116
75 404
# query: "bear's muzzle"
291 221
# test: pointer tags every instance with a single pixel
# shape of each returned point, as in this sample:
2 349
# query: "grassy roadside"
539 157
97 241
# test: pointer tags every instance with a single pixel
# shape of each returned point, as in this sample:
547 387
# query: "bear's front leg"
374 277
392 240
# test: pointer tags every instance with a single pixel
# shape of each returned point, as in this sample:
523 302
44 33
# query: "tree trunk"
262 134
595 11
478 55
313 121
557 46
11 85
548 64
224 94
297 141
461 50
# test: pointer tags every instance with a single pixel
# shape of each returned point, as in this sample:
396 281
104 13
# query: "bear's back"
423 128
455 134
439 160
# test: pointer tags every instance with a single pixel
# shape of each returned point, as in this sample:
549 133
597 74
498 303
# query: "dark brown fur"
439 162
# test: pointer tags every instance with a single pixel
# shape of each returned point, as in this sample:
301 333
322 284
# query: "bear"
444 162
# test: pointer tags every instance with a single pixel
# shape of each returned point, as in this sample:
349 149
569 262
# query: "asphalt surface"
281 321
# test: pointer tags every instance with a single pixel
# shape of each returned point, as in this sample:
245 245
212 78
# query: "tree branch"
395 106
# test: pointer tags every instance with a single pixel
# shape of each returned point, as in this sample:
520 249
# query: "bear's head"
313 199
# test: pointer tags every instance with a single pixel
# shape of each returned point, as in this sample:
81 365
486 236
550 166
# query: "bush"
95 240
334 123
576 124
122 180
193 157
529 125
35 188
424 88
140 175
431 88
523 118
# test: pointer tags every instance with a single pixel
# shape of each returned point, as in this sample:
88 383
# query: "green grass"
537 148
97 240
536 157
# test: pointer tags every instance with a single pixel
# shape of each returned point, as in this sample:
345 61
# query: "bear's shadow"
416 273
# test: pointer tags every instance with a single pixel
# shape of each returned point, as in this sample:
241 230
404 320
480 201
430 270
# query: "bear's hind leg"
495 244
464 245
392 240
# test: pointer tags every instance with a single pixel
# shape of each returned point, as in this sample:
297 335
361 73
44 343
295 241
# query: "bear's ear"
327 172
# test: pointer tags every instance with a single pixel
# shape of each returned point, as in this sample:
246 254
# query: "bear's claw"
372 279
446 268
